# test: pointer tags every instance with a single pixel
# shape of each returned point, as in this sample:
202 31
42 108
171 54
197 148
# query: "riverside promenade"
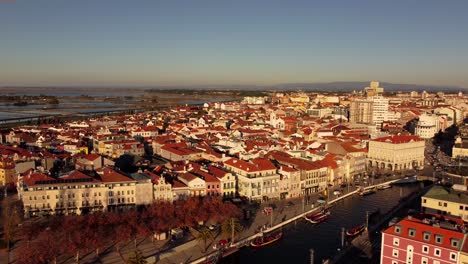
282 216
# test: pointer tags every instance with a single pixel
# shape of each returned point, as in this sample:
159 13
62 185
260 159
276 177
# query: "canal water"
324 238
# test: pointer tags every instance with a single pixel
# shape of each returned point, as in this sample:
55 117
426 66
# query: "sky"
227 42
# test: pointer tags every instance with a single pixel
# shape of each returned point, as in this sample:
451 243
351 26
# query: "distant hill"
324 86
350 86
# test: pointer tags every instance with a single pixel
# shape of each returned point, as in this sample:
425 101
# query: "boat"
266 240
367 192
313 215
318 217
355 230
383 187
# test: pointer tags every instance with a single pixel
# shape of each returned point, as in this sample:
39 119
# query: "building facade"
386 153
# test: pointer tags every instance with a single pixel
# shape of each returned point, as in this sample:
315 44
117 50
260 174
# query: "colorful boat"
315 214
318 217
355 231
266 240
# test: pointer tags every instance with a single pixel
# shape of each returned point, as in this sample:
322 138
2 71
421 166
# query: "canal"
324 238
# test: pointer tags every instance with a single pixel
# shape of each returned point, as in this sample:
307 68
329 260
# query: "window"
437 252
436 262
453 256
454 242
425 249
445 204
397 229
411 232
394 262
461 207
426 236
396 241
466 208
438 239
424 261
395 253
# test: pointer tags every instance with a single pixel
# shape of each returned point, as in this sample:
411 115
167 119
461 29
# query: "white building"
396 153
256 180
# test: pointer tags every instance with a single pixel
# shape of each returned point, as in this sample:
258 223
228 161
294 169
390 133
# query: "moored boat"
266 240
318 217
315 214
355 230
383 187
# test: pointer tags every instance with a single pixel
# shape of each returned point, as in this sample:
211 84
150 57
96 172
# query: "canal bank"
365 248
296 225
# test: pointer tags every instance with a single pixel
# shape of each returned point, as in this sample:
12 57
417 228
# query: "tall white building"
371 110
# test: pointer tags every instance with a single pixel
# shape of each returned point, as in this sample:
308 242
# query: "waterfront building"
292 179
425 241
77 192
354 155
396 153
227 181
256 180
196 185
162 190
314 174
446 201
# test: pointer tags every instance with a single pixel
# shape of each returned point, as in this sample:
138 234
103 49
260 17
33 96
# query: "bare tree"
11 220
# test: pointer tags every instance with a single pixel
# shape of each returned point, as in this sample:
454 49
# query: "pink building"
213 184
421 241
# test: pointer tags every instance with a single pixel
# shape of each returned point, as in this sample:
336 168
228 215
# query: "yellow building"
77 193
442 200
7 171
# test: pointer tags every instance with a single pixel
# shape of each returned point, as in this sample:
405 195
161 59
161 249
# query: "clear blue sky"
174 42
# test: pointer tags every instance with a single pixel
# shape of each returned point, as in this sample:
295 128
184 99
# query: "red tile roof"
398 139
421 227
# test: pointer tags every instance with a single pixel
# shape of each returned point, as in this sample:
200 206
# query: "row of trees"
62 236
